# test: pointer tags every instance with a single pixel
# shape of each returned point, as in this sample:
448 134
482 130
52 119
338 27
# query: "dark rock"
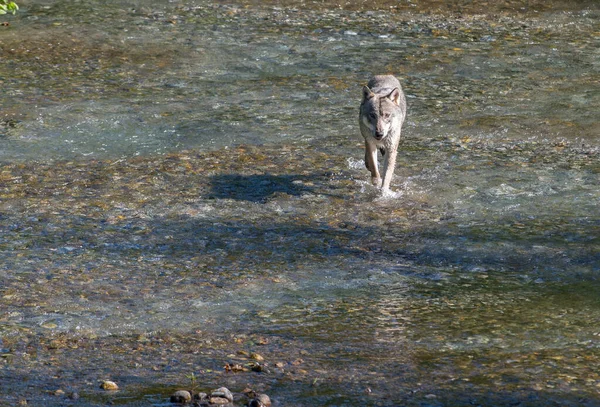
261 400
201 400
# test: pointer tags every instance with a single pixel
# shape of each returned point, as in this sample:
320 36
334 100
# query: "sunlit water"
184 181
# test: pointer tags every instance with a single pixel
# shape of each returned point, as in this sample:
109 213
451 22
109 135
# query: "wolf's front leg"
371 163
389 165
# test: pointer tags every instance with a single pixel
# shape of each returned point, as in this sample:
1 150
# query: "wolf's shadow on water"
260 187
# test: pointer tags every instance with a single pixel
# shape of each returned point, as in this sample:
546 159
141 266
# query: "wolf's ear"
394 96
367 93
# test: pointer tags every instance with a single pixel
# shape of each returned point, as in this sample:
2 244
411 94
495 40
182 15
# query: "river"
182 189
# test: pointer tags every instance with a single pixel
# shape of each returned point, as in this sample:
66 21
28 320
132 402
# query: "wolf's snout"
378 135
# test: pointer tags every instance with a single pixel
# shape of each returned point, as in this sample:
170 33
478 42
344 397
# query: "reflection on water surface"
181 186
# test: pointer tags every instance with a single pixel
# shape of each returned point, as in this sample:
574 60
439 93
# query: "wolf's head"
378 112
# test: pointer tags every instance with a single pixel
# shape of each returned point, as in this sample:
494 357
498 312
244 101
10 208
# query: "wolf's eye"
373 116
386 116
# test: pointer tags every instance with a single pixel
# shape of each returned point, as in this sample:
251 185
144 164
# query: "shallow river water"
182 189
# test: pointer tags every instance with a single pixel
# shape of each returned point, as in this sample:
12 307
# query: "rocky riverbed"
184 206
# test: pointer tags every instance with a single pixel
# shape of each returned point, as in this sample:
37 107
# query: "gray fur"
382 113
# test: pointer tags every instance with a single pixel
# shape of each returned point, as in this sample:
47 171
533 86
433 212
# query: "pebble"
257 357
222 395
181 396
218 400
201 396
261 400
109 385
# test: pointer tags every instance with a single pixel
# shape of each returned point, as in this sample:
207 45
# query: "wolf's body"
382 113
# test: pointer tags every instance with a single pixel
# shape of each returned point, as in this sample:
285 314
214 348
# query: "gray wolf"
382 113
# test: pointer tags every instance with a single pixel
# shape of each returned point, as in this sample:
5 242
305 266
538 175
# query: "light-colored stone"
222 395
264 399
109 385
257 357
181 396
219 400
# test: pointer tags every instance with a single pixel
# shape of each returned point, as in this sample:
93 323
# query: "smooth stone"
219 400
181 396
257 357
261 400
222 393
109 385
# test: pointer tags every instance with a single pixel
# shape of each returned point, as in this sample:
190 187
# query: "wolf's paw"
376 181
